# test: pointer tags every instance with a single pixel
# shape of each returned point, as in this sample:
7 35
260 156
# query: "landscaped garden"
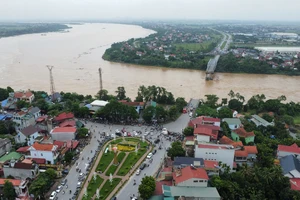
112 169
105 161
108 187
92 187
130 161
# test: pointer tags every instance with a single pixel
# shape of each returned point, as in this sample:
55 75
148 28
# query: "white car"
53 195
117 131
81 174
59 188
125 134
164 131
138 172
149 155
135 134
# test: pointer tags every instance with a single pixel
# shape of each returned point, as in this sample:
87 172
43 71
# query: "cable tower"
52 87
100 78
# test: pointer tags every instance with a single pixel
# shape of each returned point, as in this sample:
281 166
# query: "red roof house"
206 130
202 120
226 140
284 150
190 176
63 133
68 123
295 183
63 116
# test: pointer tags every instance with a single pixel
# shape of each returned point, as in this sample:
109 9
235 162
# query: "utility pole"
100 78
52 87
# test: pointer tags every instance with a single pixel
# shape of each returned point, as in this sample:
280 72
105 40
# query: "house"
68 123
63 133
225 140
44 123
205 133
20 187
211 167
260 121
63 116
24 96
233 123
35 111
138 106
23 119
190 177
5 146
247 153
290 166
46 151
28 135
242 133
207 193
202 120
284 150
180 162
216 152
20 169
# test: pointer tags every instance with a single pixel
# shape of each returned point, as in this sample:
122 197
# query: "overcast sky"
275 10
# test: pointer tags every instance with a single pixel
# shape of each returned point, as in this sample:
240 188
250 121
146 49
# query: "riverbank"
16 29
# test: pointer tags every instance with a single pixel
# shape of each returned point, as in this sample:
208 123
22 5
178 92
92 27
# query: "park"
118 160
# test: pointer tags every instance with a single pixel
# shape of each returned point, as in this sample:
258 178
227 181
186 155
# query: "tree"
68 157
225 129
51 173
173 112
9 192
160 112
121 93
82 132
224 101
22 104
102 95
149 113
235 104
3 94
147 187
231 94
206 111
211 100
176 150
225 112
188 131
180 103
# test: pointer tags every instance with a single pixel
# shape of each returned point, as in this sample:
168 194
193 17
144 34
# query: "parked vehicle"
143 165
154 151
65 171
156 141
59 188
63 182
149 156
53 195
164 131
138 172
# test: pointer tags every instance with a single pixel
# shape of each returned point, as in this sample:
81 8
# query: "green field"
194 46
297 120
113 168
108 188
105 161
92 187
131 159
223 45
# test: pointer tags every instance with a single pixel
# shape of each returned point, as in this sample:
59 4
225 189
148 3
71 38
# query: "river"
76 57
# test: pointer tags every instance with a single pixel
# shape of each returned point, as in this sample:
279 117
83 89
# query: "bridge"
219 50
211 67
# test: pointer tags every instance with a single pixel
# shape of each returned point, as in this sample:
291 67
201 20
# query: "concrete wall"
194 182
226 156
21 173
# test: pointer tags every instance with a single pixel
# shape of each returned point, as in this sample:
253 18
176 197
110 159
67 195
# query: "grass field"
108 188
105 161
223 45
297 120
194 46
143 144
92 187
131 159
112 169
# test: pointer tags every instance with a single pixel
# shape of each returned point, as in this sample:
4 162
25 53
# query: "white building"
47 151
99 103
28 134
216 152
24 96
190 177
63 133
23 119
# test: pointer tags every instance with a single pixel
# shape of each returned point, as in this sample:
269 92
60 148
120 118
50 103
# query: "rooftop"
214 146
251 149
243 133
15 182
295 183
64 130
187 161
226 140
210 164
196 192
189 173
29 130
22 94
232 121
64 116
43 147
289 163
292 149
99 103
10 156
68 123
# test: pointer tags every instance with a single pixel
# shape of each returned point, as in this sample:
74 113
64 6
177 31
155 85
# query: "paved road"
97 128
129 189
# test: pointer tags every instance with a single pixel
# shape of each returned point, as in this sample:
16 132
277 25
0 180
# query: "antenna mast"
100 77
52 87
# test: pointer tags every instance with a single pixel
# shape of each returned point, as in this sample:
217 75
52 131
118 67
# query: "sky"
61 10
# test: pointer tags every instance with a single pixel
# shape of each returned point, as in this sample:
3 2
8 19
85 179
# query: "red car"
128 134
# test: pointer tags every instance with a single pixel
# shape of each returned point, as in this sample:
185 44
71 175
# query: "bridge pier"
209 76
